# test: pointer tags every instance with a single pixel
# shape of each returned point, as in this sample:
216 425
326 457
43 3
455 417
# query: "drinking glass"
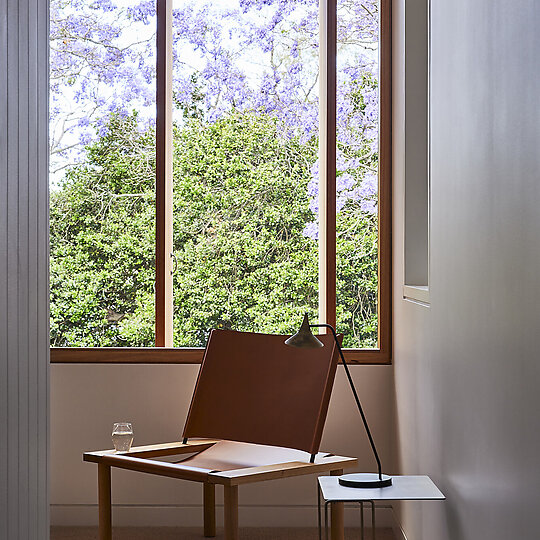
122 436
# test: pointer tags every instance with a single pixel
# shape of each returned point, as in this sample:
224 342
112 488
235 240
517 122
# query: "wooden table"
143 459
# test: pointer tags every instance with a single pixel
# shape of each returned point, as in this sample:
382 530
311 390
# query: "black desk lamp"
304 338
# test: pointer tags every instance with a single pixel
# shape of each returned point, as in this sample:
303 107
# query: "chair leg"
104 501
231 512
336 513
209 510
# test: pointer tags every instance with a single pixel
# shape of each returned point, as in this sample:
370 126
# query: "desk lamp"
305 339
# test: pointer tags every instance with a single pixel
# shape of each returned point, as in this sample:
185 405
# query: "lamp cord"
357 399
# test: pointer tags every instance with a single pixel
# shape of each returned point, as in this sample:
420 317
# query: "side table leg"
209 502
326 520
336 514
362 518
319 509
231 512
373 519
104 501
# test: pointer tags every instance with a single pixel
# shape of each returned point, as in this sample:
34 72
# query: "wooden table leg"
209 510
336 515
231 512
104 501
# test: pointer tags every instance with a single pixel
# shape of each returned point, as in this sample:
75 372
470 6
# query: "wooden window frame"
163 352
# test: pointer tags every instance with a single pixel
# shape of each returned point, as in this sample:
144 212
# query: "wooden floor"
175 533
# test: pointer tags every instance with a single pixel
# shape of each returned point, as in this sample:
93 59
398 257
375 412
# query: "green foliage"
240 210
240 207
102 243
357 231
357 277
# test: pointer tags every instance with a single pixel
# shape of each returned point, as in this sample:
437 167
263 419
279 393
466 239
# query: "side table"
403 488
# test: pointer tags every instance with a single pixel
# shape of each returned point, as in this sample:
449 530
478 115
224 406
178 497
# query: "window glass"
245 169
102 174
245 153
357 135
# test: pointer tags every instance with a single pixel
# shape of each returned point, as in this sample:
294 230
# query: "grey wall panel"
24 356
3 272
467 368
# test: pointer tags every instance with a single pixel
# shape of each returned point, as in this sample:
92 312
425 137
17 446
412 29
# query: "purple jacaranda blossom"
311 230
143 11
257 56
96 66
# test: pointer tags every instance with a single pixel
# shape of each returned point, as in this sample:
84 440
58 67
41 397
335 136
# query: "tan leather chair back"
254 388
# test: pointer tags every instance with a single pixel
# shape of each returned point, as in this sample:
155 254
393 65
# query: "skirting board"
84 515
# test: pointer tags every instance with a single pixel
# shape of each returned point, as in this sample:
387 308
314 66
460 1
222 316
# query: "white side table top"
403 488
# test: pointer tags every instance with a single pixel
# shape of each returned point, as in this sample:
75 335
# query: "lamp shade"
304 338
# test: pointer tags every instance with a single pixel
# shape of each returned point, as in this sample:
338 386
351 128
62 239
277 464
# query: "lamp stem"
357 399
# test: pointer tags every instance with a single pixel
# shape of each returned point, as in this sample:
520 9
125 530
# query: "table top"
415 488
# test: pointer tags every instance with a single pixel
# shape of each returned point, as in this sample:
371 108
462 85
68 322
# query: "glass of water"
122 436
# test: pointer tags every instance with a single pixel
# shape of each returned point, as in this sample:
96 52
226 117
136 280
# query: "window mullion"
164 176
327 161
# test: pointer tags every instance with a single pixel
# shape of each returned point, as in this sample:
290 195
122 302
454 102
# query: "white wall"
467 367
24 319
87 399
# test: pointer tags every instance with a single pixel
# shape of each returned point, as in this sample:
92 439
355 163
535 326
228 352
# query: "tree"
102 242
101 61
240 208
258 56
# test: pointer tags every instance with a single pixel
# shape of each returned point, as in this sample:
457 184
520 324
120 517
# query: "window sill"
416 293
126 355
170 355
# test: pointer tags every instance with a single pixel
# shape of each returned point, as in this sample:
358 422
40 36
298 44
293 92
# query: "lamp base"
365 480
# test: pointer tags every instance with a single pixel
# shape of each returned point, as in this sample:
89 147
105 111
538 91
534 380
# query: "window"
417 161
336 188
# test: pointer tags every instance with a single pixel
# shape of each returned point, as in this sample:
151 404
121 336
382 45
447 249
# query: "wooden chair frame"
137 459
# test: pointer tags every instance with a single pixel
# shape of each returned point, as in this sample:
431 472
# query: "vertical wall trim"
24 311
43 361
3 272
